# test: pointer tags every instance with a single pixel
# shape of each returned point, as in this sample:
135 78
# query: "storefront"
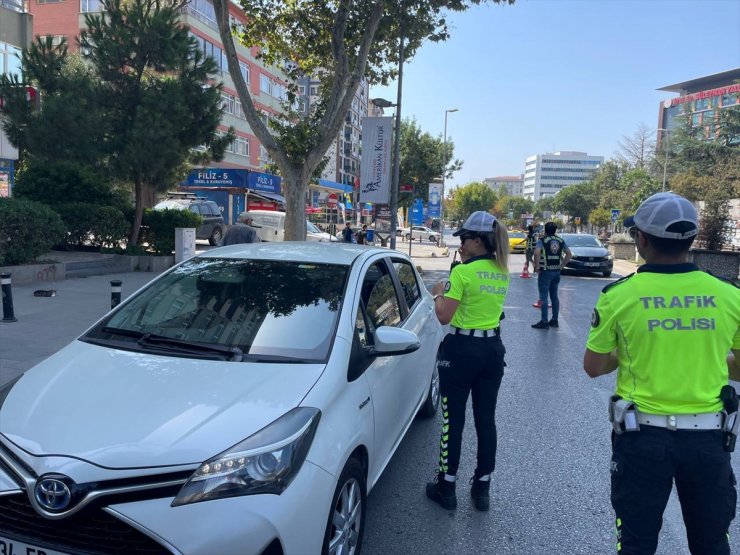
7 177
236 190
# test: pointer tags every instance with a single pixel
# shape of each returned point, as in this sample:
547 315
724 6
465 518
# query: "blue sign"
417 212
265 182
615 214
229 177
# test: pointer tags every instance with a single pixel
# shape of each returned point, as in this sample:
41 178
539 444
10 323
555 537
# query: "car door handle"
365 402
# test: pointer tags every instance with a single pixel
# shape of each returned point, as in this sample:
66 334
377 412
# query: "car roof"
564 235
300 251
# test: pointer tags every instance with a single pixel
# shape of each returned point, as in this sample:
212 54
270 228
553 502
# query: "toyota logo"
53 494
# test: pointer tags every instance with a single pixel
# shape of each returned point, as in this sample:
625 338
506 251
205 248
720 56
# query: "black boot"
479 491
443 492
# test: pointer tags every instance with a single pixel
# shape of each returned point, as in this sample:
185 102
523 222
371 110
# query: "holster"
731 426
622 415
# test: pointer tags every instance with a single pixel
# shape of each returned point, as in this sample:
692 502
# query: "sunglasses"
464 238
633 232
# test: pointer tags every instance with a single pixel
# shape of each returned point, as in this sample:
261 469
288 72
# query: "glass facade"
10 61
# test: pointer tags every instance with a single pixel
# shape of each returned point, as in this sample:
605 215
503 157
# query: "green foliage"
516 205
94 225
600 217
27 229
159 227
64 181
715 217
473 197
576 200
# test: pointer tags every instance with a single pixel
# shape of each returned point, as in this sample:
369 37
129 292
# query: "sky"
548 75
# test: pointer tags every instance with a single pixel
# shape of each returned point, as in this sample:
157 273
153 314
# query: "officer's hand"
438 288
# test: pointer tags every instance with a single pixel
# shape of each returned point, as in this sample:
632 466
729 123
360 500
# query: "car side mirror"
393 341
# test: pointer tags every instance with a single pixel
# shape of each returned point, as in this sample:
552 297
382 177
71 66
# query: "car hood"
589 251
121 409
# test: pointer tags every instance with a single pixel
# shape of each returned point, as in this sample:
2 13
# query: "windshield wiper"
276 358
152 339
122 331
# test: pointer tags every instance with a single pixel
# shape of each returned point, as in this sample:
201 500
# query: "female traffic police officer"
471 357
669 329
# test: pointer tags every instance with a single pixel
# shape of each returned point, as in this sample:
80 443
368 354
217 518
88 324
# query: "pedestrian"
550 256
471 356
347 233
668 330
362 235
531 244
242 232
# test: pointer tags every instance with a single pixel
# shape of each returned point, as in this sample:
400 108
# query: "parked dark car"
589 254
213 225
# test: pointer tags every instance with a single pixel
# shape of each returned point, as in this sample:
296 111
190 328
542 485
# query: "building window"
244 68
228 103
265 84
10 61
87 6
241 146
314 91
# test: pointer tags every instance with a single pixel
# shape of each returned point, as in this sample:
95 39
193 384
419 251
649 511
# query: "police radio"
455 261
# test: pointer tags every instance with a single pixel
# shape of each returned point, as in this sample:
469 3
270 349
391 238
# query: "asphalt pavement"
550 492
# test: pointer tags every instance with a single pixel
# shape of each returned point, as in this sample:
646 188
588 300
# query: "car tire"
431 403
216 236
408 237
606 274
433 239
344 506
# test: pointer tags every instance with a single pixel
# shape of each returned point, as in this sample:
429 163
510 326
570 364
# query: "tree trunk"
139 211
149 197
295 185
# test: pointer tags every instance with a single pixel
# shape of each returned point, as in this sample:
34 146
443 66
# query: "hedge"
28 229
91 224
158 227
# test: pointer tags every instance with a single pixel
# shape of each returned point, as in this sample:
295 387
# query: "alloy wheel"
346 519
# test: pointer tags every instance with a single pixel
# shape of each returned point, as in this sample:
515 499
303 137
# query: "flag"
375 170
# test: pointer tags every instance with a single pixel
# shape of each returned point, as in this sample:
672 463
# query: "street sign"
615 214
331 200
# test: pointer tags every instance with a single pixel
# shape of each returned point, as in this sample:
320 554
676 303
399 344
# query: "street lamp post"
444 172
666 133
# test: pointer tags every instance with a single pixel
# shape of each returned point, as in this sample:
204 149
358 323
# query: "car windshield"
516 235
265 309
310 228
579 240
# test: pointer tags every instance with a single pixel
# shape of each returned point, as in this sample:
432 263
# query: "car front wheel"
216 237
408 237
431 404
346 524
433 239
607 274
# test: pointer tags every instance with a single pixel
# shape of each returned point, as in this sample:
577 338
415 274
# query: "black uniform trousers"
469 364
646 463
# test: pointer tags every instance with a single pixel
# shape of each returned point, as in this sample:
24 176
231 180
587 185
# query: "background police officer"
471 357
550 256
668 329
530 246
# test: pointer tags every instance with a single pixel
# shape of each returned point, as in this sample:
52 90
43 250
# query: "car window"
379 296
213 208
361 328
263 307
194 208
516 235
410 286
578 240
310 228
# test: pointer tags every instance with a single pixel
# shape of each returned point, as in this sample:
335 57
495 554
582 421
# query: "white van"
270 226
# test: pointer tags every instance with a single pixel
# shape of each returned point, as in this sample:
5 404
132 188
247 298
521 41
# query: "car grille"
591 258
92 531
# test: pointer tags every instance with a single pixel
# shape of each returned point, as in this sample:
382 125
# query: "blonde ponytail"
497 245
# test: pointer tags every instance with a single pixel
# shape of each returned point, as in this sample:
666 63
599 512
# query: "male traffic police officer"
668 329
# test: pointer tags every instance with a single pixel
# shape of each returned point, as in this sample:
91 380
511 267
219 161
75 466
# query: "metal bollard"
115 292
8 315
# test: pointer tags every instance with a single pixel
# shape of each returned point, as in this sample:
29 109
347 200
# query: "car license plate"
592 264
12 547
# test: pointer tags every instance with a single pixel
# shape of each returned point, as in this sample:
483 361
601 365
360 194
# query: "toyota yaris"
244 402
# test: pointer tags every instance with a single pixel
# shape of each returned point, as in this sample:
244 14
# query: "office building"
513 185
700 99
546 174
16 31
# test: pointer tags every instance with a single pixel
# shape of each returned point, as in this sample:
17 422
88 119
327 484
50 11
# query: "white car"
242 403
270 226
419 232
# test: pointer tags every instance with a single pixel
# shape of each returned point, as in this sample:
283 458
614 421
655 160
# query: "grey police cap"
477 222
656 214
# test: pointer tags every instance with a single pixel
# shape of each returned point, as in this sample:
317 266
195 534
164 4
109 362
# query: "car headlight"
610 257
265 462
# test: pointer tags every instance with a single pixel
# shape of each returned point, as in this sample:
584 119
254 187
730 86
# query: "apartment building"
513 184
546 174
16 29
65 18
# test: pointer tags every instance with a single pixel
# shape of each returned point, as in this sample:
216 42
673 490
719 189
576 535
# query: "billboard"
435 200
375 170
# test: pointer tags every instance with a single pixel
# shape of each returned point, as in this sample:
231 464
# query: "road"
550 490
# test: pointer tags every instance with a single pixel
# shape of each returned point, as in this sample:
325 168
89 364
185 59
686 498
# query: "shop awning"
268 196
336 186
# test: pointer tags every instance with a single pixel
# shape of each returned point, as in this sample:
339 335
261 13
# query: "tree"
158 102
423 158
516 205
638 150
341 42
576 200
473 197
600 217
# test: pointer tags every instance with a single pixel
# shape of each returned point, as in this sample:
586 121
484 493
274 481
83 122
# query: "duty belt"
493 332
703 421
